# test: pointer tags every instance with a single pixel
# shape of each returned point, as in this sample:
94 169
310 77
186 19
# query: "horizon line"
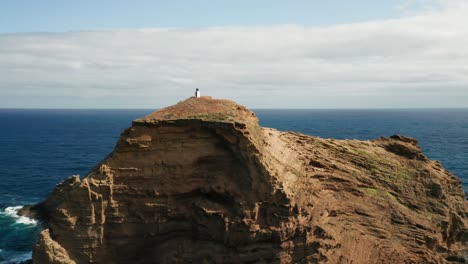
351 108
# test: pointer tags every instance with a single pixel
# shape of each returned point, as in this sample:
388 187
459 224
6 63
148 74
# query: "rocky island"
202 182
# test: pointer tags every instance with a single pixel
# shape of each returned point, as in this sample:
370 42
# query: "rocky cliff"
202 182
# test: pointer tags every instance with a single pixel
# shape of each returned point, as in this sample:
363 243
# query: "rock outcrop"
202 182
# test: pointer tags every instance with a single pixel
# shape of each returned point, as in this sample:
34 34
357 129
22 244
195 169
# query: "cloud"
414 61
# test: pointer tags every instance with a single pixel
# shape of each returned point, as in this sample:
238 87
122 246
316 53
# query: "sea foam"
9 257
13 213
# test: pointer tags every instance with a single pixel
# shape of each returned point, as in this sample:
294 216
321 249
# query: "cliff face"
202 182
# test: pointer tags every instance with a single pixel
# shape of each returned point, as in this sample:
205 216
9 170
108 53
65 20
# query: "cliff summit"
202 182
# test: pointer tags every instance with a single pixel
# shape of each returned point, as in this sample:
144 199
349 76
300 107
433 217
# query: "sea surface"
39 148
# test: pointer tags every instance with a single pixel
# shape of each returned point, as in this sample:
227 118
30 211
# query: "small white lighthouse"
197 93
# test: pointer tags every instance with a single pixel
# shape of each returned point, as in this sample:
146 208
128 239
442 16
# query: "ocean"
39 148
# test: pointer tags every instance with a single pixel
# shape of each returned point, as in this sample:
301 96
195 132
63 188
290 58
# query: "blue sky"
66 15
263 54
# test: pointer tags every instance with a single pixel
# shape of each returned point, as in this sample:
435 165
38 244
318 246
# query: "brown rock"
202 182
49 251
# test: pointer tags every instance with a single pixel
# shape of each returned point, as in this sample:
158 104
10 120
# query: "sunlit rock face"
202 182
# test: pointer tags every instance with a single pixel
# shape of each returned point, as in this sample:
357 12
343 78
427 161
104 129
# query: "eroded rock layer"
202 182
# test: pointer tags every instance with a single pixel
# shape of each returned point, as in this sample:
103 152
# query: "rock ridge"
202 182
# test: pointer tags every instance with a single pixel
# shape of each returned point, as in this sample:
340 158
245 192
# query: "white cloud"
416 61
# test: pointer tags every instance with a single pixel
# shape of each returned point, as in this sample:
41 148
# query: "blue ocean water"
39 148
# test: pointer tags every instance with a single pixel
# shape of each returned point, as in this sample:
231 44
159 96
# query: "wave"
12 212
11 257
18 234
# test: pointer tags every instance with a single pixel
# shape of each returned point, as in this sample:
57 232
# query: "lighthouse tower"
197 93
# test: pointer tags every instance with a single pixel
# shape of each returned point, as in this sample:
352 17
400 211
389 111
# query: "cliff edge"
202 182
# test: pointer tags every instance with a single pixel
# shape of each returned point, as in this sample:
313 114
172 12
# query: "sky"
263 54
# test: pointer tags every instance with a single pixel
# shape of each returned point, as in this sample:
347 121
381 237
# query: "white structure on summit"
197 93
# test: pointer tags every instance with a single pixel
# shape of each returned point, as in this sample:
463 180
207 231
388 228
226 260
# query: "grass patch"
379 194
371 191
389 195
403 175
373 171
212 117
